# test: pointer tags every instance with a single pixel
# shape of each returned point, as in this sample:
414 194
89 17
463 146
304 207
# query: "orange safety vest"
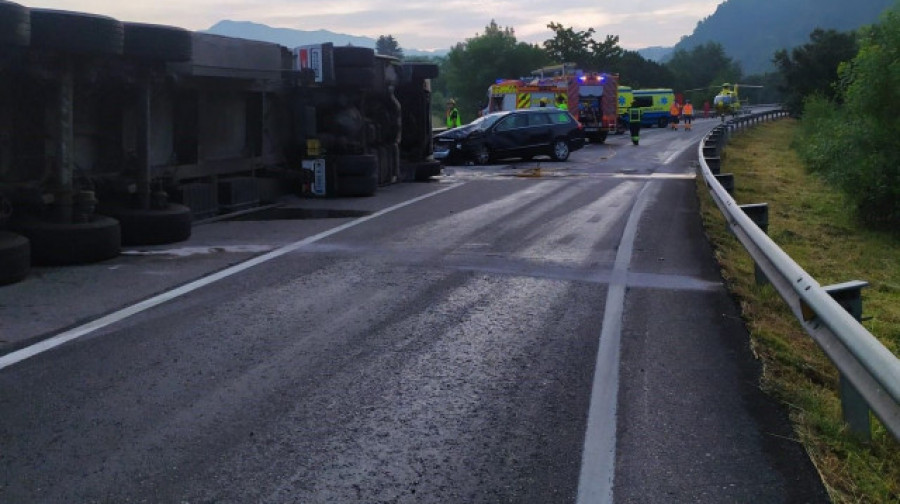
674 110
688 109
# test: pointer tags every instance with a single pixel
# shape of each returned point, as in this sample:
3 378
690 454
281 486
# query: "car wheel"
560 150
15 257
483 155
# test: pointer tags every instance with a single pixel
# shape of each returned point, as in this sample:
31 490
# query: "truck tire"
662 122
356 165
15 24
152 227
15 257
56 244
76 32
599 137
157 42
418 71
349 56
354 77
357 186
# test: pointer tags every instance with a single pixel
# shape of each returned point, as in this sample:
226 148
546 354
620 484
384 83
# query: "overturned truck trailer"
118 133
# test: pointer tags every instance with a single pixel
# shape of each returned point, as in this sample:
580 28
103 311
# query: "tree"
703 66
569 46
813 67
388 46
638 72
854 139
472 66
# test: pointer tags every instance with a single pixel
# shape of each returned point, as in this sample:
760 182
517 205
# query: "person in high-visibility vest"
561 103
688 113
674 112
634 124
453 120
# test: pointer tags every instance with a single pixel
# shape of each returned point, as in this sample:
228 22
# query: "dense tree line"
850 129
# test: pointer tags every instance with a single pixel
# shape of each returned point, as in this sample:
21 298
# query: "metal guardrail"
870 373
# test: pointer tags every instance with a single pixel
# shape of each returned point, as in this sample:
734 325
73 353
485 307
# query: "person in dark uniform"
634 124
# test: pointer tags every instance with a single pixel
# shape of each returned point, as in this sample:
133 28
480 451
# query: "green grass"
810 221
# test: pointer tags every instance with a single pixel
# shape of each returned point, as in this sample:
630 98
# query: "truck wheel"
157 42
357 186
662 122
348 56
15 257
362 165
152 227
76 32
560 150
599 137
15 24
354 77
54 243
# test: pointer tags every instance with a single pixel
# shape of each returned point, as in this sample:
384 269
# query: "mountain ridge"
290 37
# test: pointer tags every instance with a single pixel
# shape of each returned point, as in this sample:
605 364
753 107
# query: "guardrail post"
854 408
759 214
714 163
726 180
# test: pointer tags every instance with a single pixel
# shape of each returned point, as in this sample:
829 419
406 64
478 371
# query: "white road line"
598 458
64 337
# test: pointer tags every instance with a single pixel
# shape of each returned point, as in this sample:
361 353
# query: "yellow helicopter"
727 102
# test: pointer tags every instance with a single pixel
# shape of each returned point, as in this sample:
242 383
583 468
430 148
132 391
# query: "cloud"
418 24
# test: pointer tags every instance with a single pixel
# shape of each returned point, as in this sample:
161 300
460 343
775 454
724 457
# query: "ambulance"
654 105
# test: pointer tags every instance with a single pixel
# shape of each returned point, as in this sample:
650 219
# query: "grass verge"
809 220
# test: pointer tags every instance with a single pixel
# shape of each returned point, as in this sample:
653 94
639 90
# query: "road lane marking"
77 332
598 458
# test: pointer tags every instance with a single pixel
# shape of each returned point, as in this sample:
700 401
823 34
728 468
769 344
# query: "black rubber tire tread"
599 137
350 56
59 244
157 42
553 154
484 152
15 257
354 77
153 227
357 186
356 165
419 71
425 170
76 32
15 24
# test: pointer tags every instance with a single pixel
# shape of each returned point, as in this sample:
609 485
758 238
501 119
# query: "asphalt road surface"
518 333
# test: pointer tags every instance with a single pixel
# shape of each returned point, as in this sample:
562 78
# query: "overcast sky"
426 25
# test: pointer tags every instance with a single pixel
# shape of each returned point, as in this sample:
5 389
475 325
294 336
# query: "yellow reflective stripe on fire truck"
523 100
